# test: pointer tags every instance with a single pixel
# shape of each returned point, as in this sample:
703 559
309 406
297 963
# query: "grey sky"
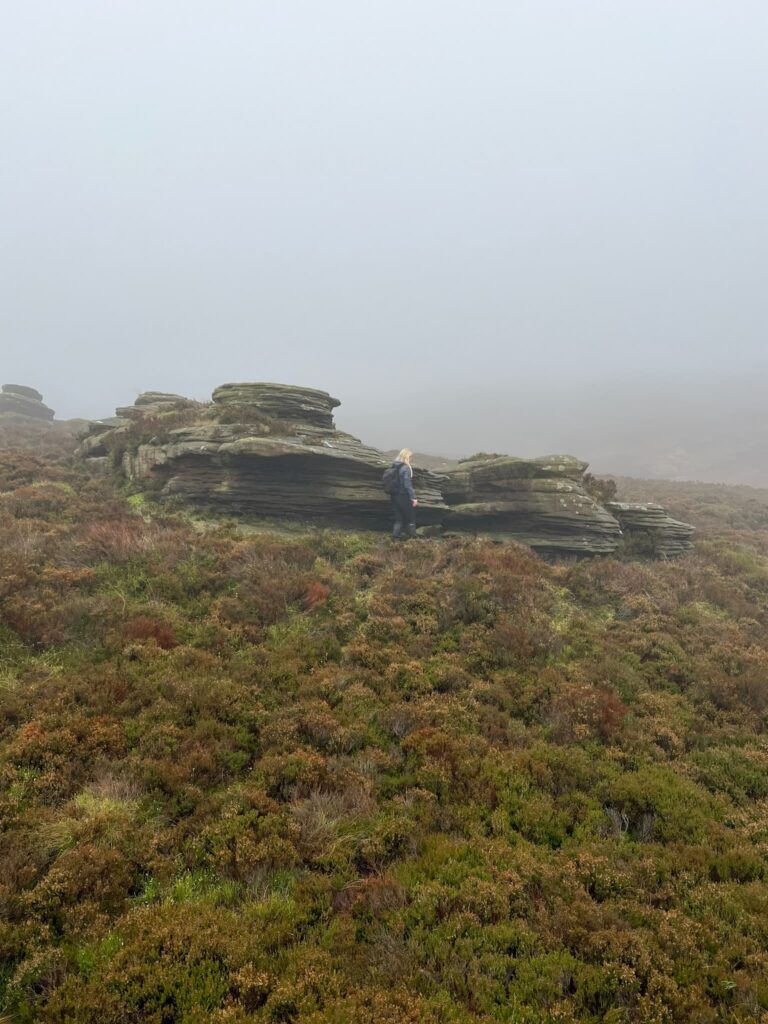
482 224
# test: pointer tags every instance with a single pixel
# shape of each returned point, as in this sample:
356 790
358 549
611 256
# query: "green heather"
313 777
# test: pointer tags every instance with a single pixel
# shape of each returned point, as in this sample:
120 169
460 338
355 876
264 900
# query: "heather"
310 776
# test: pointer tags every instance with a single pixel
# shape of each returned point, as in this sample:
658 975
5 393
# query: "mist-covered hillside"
712 508
694 426
311 776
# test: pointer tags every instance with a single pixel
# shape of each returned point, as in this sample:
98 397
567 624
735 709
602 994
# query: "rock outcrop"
539 502
271 450
21 404
650 530
280 402
262 450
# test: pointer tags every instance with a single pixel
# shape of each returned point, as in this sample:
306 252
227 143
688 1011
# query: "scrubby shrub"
657 801
147 628
603 489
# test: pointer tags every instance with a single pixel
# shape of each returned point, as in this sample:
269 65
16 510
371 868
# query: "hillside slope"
328 780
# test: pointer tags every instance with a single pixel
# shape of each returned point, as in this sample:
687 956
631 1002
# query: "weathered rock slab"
281 402
23 391
24 405
649 528
540 502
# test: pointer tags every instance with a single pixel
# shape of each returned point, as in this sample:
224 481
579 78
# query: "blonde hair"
405 456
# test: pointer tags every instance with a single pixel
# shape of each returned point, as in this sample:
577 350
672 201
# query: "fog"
512 226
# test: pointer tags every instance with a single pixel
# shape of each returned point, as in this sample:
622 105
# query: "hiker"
398 483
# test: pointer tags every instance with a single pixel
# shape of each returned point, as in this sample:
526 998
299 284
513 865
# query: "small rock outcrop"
281 403
153 402
650 530
21 404
108 434
540 502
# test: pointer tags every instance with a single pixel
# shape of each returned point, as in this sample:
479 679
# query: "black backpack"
390 479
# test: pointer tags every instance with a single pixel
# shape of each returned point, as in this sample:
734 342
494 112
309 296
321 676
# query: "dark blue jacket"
406 479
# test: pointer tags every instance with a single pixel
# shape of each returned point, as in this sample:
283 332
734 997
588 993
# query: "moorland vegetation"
315 777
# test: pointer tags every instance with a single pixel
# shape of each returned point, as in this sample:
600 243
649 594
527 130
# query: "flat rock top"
23 391
508 467
635 506
648 515
158 397
257 391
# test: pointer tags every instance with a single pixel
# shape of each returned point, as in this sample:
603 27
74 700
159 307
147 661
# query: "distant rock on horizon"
22 404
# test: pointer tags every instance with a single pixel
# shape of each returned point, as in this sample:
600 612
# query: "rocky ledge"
651 530
540 502
21 404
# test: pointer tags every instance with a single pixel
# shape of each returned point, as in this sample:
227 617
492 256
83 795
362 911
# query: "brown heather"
311 777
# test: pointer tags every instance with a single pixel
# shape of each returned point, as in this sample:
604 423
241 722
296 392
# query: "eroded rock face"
539 502
265 450
650 530
22 404
281 402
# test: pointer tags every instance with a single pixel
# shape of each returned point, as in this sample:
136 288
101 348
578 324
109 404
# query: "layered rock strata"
539 502
281 402
650 530
270 450
267 450
21 404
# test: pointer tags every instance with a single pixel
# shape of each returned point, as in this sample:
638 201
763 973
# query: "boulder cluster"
271 450
20 404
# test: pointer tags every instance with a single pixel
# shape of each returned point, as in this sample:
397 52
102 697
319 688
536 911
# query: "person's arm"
405 473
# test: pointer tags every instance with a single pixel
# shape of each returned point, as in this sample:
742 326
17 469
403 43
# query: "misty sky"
521 226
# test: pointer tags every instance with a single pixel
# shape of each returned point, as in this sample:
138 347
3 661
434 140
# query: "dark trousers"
405 517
